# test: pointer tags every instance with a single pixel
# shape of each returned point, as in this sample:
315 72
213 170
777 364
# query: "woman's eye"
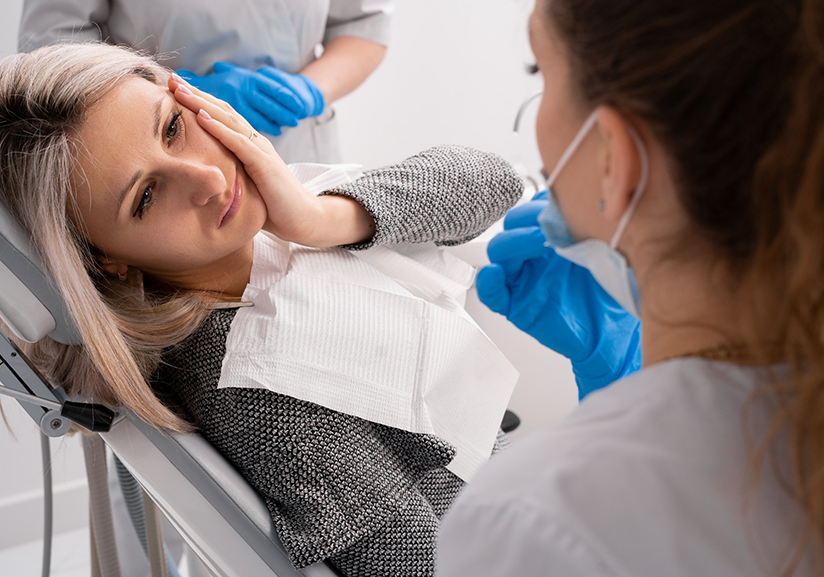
173 128
532 69
145 201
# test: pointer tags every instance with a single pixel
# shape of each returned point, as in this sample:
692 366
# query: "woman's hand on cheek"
294 213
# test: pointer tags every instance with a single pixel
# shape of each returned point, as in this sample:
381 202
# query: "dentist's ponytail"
734 90
785 281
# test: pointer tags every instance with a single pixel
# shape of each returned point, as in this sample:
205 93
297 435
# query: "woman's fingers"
232 130
196 100
255 152
256 114
175 81
262 122
225 115
219 119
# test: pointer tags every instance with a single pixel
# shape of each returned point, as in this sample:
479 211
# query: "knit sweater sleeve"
447 195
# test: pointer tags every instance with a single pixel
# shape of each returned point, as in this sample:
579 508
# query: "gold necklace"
722 352
735 352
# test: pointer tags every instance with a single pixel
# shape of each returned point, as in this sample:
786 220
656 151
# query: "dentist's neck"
687 307
689 299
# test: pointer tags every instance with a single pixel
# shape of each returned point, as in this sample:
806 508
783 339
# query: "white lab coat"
648 477
194 34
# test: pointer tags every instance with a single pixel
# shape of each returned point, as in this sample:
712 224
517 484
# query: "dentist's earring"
121 276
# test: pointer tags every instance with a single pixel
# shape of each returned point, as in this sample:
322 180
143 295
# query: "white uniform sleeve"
367 19
493 539
48 21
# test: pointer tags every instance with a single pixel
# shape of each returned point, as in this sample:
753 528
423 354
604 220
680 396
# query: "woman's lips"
231 208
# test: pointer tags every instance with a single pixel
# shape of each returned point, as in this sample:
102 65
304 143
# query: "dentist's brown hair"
734 91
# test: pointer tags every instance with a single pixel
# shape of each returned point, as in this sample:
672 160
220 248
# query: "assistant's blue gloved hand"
266 104
558 302
302 86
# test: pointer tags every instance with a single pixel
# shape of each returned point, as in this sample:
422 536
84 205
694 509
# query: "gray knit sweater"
364 496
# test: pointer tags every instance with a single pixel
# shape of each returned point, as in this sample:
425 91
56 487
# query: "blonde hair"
44 99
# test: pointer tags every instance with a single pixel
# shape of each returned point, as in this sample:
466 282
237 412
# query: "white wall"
21 476
10 11
453 74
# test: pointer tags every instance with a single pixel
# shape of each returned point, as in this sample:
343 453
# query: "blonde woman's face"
156 192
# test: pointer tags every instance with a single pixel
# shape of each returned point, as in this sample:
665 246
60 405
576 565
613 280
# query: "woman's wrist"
342 221
329 220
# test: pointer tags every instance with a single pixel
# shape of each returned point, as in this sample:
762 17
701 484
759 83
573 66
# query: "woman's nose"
204 182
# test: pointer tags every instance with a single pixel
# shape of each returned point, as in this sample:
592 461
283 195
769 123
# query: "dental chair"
215 510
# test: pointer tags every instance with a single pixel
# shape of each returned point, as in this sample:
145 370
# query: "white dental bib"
379 334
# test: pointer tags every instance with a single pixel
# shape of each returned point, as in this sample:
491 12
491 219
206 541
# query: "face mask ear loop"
573 146
639 190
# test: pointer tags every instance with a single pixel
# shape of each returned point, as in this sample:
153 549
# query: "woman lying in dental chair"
147 200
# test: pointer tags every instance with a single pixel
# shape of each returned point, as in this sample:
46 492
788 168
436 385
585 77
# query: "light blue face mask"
606 264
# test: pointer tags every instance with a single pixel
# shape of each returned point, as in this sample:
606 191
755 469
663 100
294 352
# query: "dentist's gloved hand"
267 104
301 85
558 302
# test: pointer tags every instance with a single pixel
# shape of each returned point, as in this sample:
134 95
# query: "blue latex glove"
266 104
558 302
302 86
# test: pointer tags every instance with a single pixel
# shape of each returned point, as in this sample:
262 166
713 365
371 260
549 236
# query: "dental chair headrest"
29 301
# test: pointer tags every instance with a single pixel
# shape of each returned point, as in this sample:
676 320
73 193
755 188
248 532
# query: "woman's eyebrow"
158 121
126 190
158 110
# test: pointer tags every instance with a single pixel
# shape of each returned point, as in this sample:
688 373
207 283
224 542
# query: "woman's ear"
112 268
620 163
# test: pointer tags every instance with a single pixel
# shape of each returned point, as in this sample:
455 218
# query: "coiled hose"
133 496
101 509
